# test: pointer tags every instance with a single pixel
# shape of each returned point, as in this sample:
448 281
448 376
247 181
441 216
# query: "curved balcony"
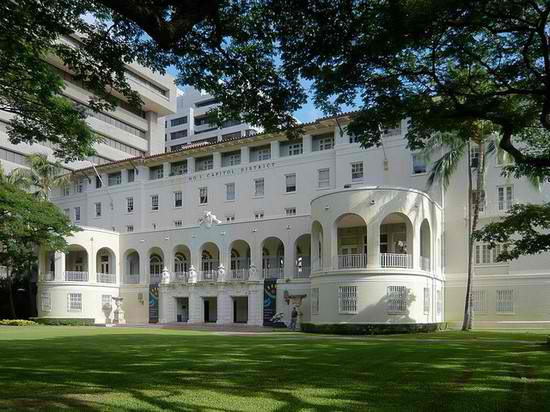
106 278
76 276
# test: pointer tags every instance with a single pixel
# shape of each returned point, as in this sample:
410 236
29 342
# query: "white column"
196 308
217 157
143 268
59 266
274 149
225 307
290 259
190 165
307 143
413 245
154 133
245 155
167 305
255 305
373 244
92 267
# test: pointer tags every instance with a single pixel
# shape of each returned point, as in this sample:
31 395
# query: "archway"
156 264
302 249
210 261
76 264
240 260
396 241
132 269
425 246
351 241
105 265
316 245
182 259
273 258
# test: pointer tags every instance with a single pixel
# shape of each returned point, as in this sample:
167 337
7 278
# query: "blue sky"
307 113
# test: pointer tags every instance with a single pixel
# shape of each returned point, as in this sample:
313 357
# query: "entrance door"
206 310
104 264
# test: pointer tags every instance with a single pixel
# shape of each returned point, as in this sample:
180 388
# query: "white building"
190 123
355 233
126 132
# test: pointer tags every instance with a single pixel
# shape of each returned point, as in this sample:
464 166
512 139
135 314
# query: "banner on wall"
270 300
153 303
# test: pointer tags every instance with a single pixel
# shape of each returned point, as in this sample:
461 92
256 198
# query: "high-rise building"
190 123
125 132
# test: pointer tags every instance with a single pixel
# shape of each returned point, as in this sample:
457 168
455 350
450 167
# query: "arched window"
180 263
207 261
235 260
155 265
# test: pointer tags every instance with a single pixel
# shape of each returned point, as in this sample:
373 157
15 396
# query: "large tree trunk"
10 296
467 322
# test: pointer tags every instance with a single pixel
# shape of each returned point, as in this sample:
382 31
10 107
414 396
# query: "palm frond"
444 167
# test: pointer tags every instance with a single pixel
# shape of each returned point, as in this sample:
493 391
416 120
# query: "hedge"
370 328
17 322
65 321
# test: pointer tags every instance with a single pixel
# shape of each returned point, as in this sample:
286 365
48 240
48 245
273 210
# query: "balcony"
76 276
396 260
180 277
358 261
302 272
132 279
273 273
239 274
106 278
208 275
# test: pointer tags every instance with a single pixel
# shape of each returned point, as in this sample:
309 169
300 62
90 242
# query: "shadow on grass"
134 371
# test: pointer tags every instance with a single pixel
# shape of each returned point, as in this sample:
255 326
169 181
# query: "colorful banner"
153 303
270 300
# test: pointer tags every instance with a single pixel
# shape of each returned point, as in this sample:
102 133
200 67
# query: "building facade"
190 123
126 132
236 230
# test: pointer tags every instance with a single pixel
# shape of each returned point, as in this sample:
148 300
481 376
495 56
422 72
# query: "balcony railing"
48 276
75 276
239 274
106 278
396 260
154 278
132 278
180 277
273 273
302 272
425 264
357 261
208 275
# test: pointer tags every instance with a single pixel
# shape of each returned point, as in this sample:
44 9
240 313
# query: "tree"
27 223
457 145
42 175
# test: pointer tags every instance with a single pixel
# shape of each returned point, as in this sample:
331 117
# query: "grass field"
53 368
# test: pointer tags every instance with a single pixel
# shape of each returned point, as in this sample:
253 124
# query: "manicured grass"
131 369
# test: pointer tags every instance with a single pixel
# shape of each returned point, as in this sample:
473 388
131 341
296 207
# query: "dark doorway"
210 310
240 309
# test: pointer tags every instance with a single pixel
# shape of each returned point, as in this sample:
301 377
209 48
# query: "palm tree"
43 175
456 146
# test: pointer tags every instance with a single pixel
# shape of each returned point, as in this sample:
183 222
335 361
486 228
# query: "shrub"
17 322
370 328
65 321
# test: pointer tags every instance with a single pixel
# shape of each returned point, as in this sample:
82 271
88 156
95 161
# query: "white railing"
273 273
425 264
132 278
48 276
396 260
106 278
302 272
74 276
351 261
154 278
180 277
240 274
208 275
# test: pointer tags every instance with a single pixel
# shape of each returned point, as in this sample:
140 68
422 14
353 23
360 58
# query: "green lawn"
51 368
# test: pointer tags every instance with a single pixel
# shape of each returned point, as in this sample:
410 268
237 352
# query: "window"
79 186
203 195
419 163
295 149
426 301
156 172
206 102
259 214
290 182
479 301
505 197
397 299
315 301
178 199
324 178
204 163
259 187
178 168
177 121
231 158
106 301
505 301
347 299
98 209
354 139
474 155
357 171
290 211
67 212
484 255
130 228
98 182
479 194
264 153
66 191
229 218
178 135
74 302
131 175
154 202
129 204
45 302
230 191
178 223
77 214
114 179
